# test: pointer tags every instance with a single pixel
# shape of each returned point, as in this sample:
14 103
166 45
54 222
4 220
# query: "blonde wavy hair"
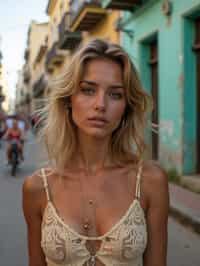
58 129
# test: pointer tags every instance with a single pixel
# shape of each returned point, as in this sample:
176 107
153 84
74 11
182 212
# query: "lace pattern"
122 246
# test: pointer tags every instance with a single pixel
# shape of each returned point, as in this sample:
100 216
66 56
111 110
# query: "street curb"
185 217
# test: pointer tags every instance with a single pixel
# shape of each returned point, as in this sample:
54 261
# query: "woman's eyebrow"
114 86
89 82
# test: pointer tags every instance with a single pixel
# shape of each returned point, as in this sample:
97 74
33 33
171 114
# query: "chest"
117 226
123 244
95 205
14 133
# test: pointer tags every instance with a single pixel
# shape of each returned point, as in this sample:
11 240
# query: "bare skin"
112 187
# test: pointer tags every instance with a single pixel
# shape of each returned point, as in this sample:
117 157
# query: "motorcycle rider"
14 134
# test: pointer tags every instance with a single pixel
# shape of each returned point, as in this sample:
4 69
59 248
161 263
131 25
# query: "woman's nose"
100 102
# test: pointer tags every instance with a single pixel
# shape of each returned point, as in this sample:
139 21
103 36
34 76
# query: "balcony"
26 54
50 7
53 58
2 97
27 75
40 53
122 5
85 14
27 98
39 86
68 39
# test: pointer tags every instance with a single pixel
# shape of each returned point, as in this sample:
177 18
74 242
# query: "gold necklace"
88 225
88 210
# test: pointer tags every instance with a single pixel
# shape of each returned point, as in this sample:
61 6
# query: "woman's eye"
116 95
88 91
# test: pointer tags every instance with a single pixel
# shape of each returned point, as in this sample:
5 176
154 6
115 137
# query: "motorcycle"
14 157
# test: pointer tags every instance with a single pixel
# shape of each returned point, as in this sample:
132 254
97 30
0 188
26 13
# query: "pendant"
87 225
91 261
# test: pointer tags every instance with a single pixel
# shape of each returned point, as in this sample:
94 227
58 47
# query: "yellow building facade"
4 95
34 69
74 22
51 45
106 29
56 57
95 21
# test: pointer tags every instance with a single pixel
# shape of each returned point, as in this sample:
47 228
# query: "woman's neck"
93 154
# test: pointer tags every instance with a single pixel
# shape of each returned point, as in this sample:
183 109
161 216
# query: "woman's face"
15 124
100 101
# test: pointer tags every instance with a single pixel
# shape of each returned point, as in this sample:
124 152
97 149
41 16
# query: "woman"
14 134
100 203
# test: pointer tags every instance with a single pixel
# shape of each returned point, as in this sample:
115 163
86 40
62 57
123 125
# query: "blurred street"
183 243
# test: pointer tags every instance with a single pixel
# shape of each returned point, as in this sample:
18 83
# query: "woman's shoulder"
153 169
34 184
155 178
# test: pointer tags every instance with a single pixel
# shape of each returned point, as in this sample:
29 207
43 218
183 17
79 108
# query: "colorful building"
73 22
51 45
4 96
163 39
61 41
93 20
34 80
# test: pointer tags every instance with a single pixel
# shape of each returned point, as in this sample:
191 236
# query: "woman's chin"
97 133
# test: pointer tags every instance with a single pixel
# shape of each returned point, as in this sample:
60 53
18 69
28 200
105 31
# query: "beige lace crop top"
122 245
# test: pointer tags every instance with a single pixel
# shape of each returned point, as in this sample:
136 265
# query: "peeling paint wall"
177 137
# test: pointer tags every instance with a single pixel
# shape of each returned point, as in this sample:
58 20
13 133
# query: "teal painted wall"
189 98
177 135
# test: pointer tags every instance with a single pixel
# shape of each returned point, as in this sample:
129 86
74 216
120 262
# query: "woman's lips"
98 121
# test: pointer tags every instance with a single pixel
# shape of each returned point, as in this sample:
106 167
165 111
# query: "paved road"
183 247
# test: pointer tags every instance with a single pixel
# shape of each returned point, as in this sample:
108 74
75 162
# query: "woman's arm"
157 217
6 134
22 134
32 213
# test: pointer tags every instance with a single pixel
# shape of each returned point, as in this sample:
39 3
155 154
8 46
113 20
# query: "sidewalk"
185 205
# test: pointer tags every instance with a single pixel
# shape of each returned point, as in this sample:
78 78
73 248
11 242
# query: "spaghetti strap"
46 187
138 178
